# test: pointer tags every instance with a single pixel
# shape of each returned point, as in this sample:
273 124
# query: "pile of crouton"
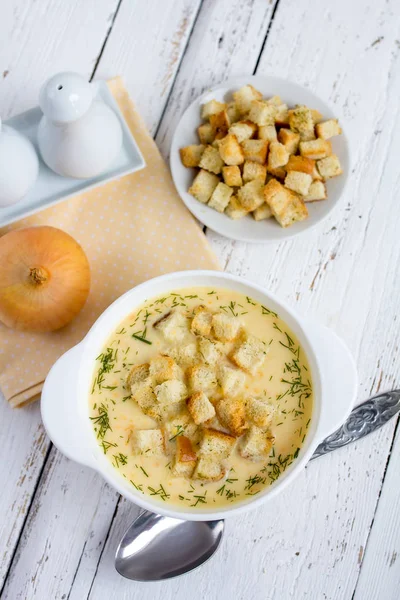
259 157
196 393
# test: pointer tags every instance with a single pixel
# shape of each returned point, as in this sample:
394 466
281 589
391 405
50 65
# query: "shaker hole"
60 87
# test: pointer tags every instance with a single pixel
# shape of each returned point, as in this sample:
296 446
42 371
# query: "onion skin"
44 279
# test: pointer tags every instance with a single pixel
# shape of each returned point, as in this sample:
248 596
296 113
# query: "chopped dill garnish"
102 421
120 459
252 481
141 339
275 326
199 499
250 301
267 311
107 360
160 492
141 468
138 486
180 431
106 445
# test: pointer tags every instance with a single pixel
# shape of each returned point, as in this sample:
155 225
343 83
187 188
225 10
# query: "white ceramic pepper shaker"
19 165
79 136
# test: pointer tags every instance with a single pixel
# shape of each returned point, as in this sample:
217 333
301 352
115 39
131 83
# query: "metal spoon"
155 547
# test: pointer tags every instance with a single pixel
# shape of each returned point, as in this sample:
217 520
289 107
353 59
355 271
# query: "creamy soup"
224 387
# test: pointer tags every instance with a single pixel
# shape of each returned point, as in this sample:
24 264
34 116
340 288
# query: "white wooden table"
335 533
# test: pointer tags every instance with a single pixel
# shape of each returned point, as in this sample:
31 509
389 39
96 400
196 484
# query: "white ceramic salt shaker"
79 136
19 165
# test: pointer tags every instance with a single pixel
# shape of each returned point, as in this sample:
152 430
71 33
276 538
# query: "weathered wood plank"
40 38
146 46
380 574
35 41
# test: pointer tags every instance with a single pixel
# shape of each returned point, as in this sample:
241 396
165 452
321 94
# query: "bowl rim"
287 233
104 466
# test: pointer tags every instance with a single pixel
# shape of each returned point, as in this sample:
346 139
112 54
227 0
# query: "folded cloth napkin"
131 229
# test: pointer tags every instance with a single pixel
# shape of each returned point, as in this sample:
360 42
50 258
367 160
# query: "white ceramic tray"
51 188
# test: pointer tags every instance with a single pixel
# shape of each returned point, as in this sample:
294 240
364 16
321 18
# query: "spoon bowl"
155 547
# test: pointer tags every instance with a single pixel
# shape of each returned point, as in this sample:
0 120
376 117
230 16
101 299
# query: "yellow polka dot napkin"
131 229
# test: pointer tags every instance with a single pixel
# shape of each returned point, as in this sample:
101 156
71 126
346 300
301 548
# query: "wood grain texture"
39 39
35 42
313 537
146 46
380 574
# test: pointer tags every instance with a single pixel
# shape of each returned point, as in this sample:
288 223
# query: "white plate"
51 188
246 229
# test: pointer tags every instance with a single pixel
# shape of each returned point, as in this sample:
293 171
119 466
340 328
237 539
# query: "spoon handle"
364 419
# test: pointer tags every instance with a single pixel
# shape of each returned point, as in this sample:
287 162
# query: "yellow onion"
44 278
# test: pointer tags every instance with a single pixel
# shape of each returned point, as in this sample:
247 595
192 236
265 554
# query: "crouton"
316 149
286 206
328 129
173 326
262 212
170 392
301 122
206 133
282 115
244 97
202 322
235 210
289 139
208 469
243 130
267 132
253 170
202 378
315 174
251 195
162 368
220 122
147 442
316 192
231 380
316 116
185 458
329 167
256 444
145 397
211 160
215 424
231 413
278 155
274 100
232 176
302 164
259 411
216 444
220 197
200 407
233 113
191 155
211 108
203 186
209 351
298 182
255 150
230 150
250 354
278 173
185 355
262 113
137 376
225 327
181 424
